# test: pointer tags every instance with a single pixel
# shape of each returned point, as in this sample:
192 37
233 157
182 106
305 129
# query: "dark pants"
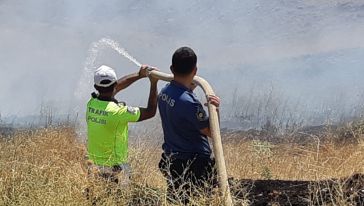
188 177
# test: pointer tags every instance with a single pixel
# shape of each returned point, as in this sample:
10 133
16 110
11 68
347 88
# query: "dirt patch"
345 191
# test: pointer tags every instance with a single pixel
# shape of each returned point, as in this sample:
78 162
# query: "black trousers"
188 177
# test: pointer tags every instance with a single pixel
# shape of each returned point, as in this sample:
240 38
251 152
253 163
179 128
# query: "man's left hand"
193 86
153 80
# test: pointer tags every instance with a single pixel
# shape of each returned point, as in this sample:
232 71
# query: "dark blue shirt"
182 119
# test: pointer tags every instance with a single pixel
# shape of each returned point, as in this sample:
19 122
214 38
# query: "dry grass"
294 162
47 167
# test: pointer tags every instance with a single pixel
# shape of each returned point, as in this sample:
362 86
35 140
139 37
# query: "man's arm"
149 112
127 80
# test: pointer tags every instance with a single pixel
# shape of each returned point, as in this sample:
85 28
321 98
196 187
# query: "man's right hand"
143 71
214 100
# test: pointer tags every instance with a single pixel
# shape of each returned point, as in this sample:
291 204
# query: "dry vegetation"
47 167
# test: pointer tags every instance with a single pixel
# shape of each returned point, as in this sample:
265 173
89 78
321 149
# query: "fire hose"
215 133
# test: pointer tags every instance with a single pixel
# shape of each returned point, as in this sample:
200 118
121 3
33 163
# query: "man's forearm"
149 112
152 101
126 81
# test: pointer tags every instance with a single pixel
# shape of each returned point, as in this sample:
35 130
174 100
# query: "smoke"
308 51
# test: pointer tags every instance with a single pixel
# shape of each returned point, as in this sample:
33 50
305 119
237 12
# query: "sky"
305 52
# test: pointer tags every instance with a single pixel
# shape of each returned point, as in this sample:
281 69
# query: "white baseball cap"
104 73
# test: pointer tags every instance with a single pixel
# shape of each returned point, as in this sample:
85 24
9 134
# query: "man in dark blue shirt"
186 161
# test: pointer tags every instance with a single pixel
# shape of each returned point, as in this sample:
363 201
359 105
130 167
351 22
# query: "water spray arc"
214 121
115 45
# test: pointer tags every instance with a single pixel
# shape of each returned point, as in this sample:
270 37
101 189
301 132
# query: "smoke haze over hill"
310 51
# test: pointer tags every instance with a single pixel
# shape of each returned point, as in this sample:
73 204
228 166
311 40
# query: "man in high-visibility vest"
107 121
186 161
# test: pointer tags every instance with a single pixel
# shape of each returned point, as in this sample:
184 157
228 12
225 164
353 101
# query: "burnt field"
6 131
348 191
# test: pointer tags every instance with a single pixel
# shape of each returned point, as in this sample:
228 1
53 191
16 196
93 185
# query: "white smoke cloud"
302 47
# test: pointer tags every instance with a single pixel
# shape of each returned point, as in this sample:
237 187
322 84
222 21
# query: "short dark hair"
184 60
104 90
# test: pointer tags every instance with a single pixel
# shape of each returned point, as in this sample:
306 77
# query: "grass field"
48 167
